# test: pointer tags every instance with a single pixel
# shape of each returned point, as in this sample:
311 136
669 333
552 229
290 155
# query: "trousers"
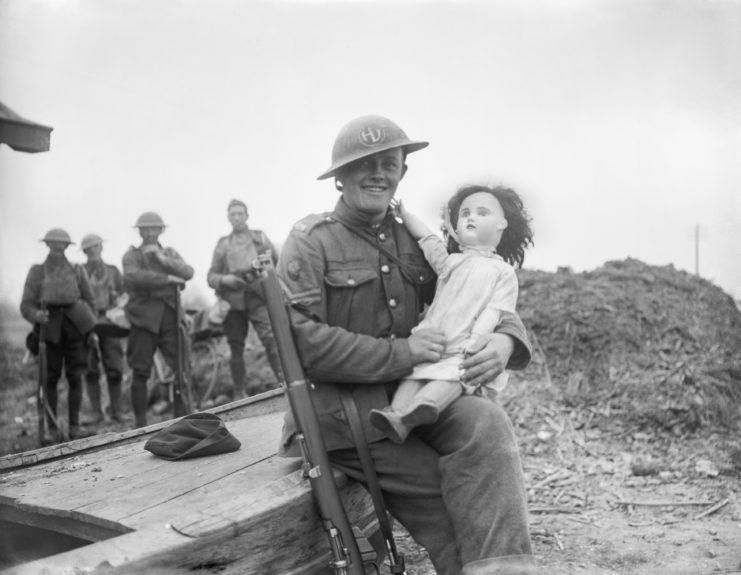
236 325
68 356
457 486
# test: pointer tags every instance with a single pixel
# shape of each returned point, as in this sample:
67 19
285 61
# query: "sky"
618 121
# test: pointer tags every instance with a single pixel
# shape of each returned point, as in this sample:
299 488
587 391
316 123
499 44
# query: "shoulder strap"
371 478
405 271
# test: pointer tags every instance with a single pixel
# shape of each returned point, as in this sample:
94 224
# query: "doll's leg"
388 420
432 399
405 393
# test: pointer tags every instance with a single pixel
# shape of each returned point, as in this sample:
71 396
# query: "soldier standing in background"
152 276
57 293
232 277
107 285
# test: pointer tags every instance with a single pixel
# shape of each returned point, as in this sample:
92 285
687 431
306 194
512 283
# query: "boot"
79 432
114 393
93 393
139 397
239 374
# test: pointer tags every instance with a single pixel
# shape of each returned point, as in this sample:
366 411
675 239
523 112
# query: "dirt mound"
658 345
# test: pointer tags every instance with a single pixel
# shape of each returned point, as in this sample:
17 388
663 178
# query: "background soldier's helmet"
149 220
365 136
57 235
89 241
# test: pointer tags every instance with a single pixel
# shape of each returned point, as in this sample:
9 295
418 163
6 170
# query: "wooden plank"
269 402
274 531
84 486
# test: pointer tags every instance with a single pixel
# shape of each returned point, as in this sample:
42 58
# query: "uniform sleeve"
176 264
31 293
511 324
218 268
134 276
331 353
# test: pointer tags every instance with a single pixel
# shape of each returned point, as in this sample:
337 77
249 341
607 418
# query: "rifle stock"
346 556
41 392
178 403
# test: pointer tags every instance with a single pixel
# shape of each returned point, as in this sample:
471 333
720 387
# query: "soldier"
357 281
107 285
232 277
57 293
152 276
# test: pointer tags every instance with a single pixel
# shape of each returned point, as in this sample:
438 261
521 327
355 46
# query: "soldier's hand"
426 345
487 358
150 249
41 316
233 282
175 280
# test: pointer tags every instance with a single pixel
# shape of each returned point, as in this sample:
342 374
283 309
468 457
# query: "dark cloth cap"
194 435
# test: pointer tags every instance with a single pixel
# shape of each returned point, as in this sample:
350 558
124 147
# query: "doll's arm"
416 227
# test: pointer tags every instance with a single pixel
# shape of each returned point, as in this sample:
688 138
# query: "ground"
609 493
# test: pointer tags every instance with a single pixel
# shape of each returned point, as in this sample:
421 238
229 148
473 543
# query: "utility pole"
697 249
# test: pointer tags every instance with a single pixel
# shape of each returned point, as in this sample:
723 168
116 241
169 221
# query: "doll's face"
481 221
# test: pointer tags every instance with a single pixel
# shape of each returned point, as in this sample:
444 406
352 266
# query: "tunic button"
392 302
382 236
385 269
351 282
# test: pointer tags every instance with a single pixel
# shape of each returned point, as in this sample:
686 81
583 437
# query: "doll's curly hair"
516 237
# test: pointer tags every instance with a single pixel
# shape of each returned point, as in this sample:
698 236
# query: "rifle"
178 403
41 400
347 558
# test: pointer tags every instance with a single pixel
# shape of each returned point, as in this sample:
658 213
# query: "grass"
18 420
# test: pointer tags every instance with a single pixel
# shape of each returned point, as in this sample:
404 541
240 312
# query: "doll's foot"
421 414
390 423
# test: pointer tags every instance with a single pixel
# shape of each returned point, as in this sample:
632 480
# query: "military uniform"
151 310
352 307
65 291
234 254
106 284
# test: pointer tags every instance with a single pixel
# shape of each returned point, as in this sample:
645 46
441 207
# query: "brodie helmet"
57 235
89 241
149 220
365 136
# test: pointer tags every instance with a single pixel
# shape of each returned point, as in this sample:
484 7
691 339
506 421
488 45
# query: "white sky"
619 122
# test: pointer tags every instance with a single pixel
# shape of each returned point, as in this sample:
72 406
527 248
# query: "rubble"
649 344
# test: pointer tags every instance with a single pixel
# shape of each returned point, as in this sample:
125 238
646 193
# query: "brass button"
385 269
382 236
392 302
351 282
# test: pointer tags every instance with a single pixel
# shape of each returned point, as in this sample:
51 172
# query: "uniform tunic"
151 306
106 283
65 292
234 254
352 305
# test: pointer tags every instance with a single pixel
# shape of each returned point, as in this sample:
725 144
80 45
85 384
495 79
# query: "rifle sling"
363 235
371 478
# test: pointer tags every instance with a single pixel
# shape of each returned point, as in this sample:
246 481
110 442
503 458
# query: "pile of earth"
654 345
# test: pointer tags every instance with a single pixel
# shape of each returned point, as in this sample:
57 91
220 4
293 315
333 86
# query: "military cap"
194 435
